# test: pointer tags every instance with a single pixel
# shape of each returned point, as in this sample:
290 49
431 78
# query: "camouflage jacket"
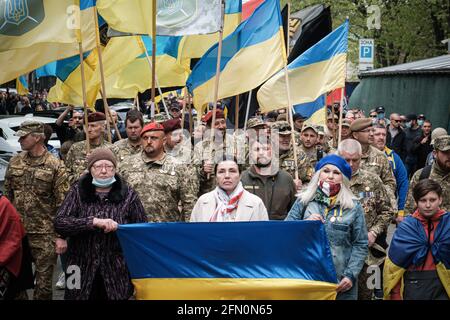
375 161
436 174
36 187
312 155
206 151
305 169
76 162
123 149
162 186
372 195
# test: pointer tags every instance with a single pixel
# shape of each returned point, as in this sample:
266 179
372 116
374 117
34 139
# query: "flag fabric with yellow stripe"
320 69
36 32
195 46
250 56
173 18
410 246
229 260
170 71
22 85
68 88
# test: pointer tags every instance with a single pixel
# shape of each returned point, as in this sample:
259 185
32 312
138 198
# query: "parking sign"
366 54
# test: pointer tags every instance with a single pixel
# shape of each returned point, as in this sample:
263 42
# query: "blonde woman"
328 198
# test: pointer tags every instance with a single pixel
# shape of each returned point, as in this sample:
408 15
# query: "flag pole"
156 77
102 78
247 111
83 89
216 86
236 114
183 111
190 113
153 60
341 112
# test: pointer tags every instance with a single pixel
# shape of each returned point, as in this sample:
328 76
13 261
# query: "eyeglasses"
373 116
393 120
107 167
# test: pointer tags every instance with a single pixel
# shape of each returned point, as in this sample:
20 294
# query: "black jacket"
398 143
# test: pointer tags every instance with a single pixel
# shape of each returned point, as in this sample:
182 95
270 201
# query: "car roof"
17 120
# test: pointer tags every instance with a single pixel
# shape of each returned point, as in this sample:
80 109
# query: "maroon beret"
96 116
171 125
208 117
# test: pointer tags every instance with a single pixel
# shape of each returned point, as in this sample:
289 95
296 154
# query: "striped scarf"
226 204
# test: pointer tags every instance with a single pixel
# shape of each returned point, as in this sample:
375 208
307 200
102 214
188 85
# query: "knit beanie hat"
338 162
101 154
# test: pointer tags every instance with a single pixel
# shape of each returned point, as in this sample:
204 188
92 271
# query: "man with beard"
168 190
177 144
264 179
134 123
74 130
439 171
309 138
422 145
209 152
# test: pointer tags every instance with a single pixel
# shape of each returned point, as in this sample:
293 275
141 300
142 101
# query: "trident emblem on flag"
173 13
16 18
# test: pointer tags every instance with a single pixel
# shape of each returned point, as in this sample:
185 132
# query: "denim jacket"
347 235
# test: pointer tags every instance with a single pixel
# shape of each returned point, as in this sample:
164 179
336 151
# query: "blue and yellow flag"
36 32
195 46
68 87
242 66
22 85
409 247
46 71
320 69
170 71
195 261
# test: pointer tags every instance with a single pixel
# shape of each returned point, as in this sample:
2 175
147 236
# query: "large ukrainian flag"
409 247
193 261
36 32
320 69
250 55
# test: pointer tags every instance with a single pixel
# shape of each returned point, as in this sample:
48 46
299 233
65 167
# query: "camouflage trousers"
44 257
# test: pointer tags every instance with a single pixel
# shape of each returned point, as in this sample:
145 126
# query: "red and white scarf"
226 204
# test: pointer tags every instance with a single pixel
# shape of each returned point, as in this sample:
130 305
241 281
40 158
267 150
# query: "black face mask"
263 165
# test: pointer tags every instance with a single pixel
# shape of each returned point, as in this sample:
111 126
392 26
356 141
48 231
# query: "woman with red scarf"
418 263
328 199
229 201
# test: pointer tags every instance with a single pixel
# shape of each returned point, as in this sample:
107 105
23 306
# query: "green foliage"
410 29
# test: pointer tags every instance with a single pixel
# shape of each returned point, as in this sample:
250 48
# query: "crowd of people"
357 180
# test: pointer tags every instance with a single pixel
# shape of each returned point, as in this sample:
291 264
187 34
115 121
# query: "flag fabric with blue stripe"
320 69
35 33
250 55
22 85
48 70
410 246
229 260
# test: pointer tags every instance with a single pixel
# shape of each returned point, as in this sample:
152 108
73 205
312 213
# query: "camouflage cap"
310 126
442 143
28 127
438 132
255 122
283 127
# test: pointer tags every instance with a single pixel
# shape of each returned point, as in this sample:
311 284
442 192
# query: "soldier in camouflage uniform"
372 194
374 160
36 183
310 137
439 172
178 144
75 161
208 153
286 153
123 148
257 130
162 184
